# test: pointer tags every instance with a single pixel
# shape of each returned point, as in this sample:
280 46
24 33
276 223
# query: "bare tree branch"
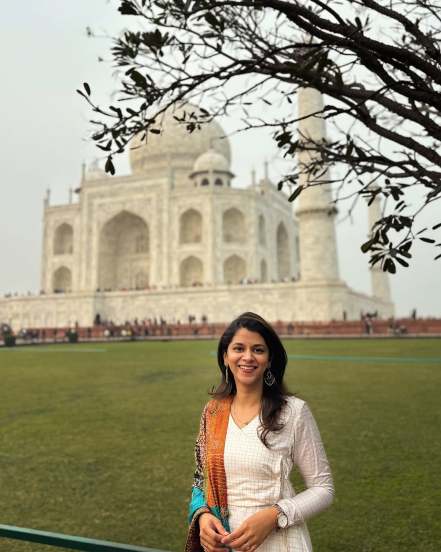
378 64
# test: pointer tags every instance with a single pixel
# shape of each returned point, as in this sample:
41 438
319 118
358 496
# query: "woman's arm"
310 458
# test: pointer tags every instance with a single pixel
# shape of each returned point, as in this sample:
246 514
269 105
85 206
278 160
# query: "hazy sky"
44 129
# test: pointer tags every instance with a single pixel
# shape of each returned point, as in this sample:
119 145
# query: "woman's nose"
247 354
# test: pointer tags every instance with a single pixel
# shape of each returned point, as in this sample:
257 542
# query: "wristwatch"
282 519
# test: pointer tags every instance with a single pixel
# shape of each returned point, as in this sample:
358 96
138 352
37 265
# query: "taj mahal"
178 237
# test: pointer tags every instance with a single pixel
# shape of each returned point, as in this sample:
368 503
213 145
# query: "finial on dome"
253 176
265 169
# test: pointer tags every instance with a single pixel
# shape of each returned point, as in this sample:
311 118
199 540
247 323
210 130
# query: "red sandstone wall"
336 328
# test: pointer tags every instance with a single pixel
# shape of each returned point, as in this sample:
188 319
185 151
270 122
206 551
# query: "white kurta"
258 477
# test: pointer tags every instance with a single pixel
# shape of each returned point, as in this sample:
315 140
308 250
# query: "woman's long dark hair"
274 396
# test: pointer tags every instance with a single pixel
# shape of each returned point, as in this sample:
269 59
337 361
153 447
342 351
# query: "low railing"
70 542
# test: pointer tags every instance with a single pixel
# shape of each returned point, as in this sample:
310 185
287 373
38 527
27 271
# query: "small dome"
94 171
175 147
211 160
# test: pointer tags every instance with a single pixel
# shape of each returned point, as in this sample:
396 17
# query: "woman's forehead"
248 337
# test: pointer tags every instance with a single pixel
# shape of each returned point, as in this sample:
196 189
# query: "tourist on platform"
252 434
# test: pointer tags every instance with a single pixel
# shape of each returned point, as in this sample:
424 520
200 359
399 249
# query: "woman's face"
248 357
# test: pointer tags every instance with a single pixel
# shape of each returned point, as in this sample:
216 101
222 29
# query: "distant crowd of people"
161 326
243 282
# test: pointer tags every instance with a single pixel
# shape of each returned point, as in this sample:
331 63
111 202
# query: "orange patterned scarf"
209 493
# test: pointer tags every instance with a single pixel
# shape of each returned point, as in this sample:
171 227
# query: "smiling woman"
247 358
252 433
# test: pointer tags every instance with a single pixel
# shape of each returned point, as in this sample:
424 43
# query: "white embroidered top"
258 477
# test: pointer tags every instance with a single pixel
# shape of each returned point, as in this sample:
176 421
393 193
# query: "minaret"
47 199
315 212
45 243
379 279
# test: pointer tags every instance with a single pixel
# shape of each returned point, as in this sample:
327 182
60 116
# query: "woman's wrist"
200 512
273 513
204 515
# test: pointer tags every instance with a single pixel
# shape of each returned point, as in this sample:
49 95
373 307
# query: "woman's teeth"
247 368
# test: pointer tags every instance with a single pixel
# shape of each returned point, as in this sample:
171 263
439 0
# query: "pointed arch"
63 239
62 280
124 246
283 260
233 226
191 272
235 270
190 227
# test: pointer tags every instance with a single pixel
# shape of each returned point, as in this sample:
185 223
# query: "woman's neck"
248 397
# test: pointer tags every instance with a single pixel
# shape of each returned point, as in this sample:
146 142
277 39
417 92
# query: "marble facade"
176 237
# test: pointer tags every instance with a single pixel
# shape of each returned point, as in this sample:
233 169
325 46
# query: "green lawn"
97 440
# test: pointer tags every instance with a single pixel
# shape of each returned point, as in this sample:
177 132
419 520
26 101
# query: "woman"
252 433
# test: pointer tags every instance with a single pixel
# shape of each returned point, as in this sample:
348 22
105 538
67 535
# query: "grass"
97 441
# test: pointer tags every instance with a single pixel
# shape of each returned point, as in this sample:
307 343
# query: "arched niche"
263 271
124 246
62 280
190 227
282 252
233 226
63 239
262 230
191 272
218 182
235 270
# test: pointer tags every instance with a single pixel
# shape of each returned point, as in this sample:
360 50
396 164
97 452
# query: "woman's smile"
247 368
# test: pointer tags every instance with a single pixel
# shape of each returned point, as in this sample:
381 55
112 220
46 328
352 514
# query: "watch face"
282 520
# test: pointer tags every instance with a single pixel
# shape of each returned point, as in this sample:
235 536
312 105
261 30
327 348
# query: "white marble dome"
175 147
211 161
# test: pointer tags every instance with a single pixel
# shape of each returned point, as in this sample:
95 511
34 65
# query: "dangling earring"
268 377
226 374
